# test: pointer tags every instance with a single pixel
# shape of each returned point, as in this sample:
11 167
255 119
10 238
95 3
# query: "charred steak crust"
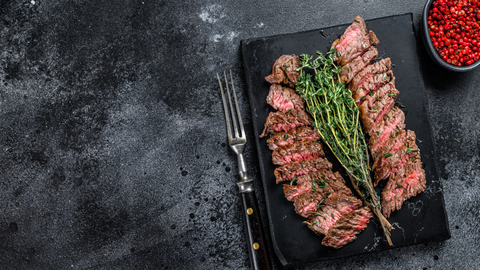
302 133
347 227
296 152
284 70
337 184
285 121
283 98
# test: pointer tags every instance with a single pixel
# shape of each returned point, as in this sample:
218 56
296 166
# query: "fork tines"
227 118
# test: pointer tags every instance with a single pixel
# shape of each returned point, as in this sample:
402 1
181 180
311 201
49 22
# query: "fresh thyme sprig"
336 117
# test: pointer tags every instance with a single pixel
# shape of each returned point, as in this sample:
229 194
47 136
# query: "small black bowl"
431 50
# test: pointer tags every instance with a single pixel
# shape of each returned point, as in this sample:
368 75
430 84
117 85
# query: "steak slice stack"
367 91
382 103
351 69
370 71
391 163
386 131
394 150
317 193
403 184
389 148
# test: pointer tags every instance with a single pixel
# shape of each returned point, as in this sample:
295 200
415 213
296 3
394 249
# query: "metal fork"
257 248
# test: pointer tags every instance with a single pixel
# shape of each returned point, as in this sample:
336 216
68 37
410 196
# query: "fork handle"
257 245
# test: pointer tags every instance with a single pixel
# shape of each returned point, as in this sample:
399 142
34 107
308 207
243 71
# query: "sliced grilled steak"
402 185
337 184
284 70
354 42
356 65
397 160
358 48
306 203
370 71
393 143
334 208
319 181
292 191
302 133
296 152
370 116
347 227
285 121
388 127
357 29
297 168
283 98
306 182
367 90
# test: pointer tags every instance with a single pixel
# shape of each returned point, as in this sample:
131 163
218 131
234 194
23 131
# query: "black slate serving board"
422 218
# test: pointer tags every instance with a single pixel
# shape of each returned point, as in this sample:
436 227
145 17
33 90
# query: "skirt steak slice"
318 181
402 185
355 41
283 98
297 152
298 168
391 146
371 70
335 207
353 67
370 116
306 203
285 121
284 70
386 130
397 160
347 227
302 133
368 91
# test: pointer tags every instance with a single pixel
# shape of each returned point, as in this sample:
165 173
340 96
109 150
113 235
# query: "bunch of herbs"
336 117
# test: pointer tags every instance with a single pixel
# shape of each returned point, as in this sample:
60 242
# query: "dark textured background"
113 147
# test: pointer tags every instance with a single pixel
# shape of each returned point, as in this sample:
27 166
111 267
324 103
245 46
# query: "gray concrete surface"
112 140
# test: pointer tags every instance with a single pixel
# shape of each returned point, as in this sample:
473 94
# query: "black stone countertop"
113 149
